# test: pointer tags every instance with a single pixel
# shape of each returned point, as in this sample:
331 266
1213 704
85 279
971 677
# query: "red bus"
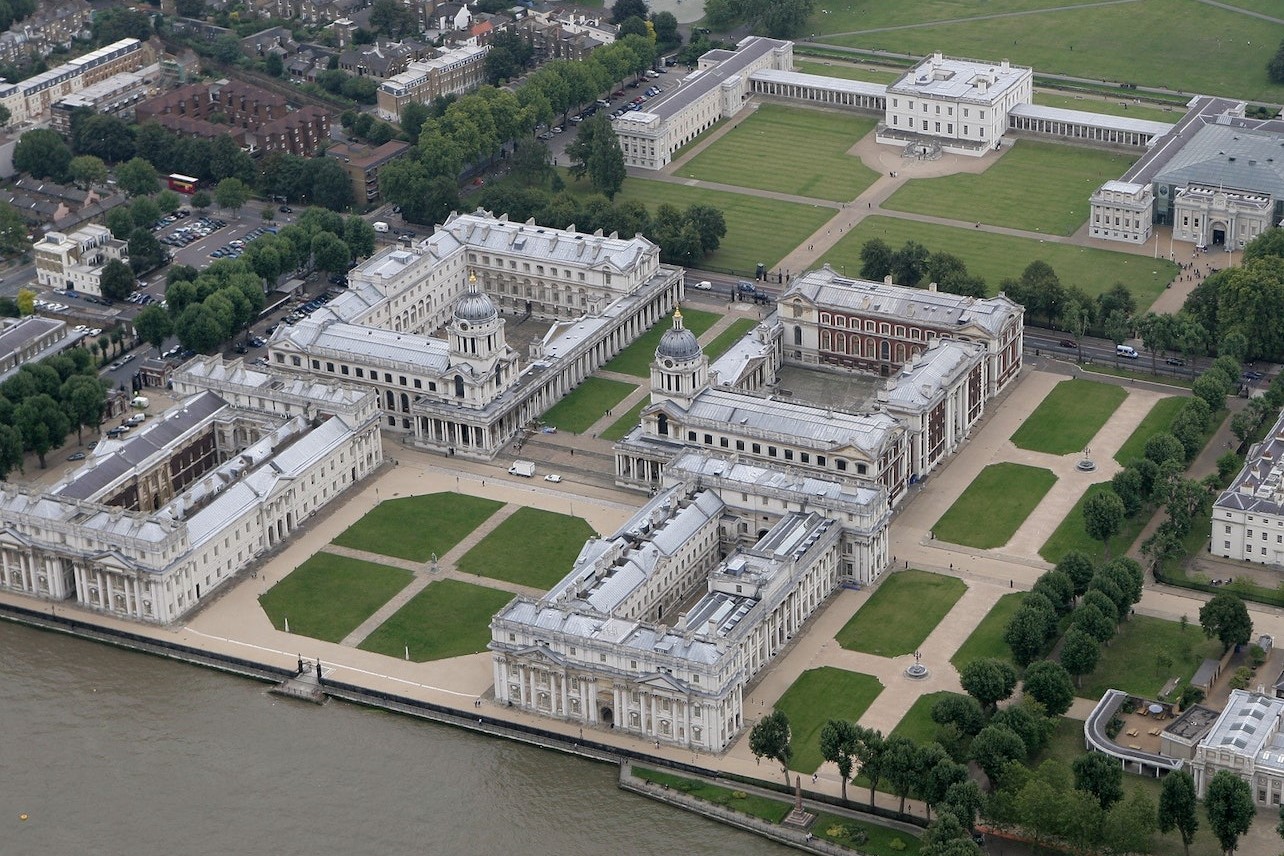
183 183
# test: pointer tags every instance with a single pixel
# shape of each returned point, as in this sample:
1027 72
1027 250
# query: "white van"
704 285
1126 351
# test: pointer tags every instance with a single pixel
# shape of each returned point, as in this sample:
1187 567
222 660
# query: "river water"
112 753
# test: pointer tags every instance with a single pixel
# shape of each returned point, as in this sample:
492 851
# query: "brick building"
259 120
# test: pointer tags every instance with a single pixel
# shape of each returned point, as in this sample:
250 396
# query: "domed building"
680 369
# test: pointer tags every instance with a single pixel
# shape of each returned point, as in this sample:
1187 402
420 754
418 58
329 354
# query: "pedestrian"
814 777
1011 583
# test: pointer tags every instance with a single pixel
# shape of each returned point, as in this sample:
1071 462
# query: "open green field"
1070 535
617 429
986 640
1157 421
901 613
818 696
728 337
1108 106
1138 42
415 527
1069 417
586 404
844 70
328 596
636 358
1035 186
447 619
813 142
917 722
997 257
758 230
1130 662
531 547
994 505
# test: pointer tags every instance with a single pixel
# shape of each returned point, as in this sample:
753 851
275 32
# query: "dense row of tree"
44 402
1241 309
913 265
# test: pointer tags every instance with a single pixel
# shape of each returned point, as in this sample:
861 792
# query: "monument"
799 818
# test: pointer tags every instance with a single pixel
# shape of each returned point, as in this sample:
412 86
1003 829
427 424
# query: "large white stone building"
75 261
469 393
154 523
31 100
1248 517
1245 740
658 628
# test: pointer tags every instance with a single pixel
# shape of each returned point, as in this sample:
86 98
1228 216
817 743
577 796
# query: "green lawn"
1129 662
768 809
728 337
917 722
997 257
813 142
1035 186
328 596
1069 417
758 230
531 547
879 841
1134 374
1070 535
902 612
847 71
636 358
1157 421
994 505
1109 106
986 640
447 619
586 404
617 429
818 696
415 527
1136 42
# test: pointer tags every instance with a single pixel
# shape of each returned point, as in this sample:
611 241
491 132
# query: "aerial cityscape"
753 425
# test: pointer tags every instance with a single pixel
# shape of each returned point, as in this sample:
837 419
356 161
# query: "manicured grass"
636 358
415 527
994 505
813 142
1110 107
532 547
1035 186
901 613
1129 662
1070 535
1128 42
728 337
1166 379
1069 417
328 596
758 230
880 840
856 17
750 804
1157 421
996 257
846 71
818 696
617 429
447 619
917 722
986 640
586 404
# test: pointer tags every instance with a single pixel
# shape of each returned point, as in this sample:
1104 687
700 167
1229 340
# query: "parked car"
1069 343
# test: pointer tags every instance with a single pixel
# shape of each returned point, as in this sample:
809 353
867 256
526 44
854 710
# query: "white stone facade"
1121 211
1247 742
32 99
75 261
1248 517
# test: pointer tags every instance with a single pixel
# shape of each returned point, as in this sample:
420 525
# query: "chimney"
931 286
1005 66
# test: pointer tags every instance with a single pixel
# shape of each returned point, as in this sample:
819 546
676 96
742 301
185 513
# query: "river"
112 753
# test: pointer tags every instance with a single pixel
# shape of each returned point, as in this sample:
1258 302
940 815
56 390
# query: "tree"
770 738
870 747
87 171
1100 776
1229 804
947 836
1226 619
390 18
198 329
901 768
1103 517
137 177
909 263
989 680
596 152
1048 683
168 201
1027 633
413 116
838 742
117 281
1275 68
330 253
117 22
359 235
41 153
200 200
996 747
103 136
1129 824
10 450
331 187
666 28
962 712
145 252
154 326
231 193
1079 653
42 423
84 397
13 231
273 65
1027 719
1094 622
144 212
624 9
876 259
26 301
1178 808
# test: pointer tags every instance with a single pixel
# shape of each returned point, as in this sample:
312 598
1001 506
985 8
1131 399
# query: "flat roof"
950 78
1093 120
832 84
695 86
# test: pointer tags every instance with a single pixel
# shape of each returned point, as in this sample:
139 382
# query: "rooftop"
948 78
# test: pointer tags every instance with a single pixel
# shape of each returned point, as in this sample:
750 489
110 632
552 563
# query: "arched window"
886 351
405 403
900 352
663 424
826 341
797 335
390 401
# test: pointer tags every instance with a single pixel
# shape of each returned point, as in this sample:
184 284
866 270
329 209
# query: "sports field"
812 144
997 257
1035 186
1184 45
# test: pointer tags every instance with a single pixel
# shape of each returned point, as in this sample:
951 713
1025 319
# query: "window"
708 439
757 448
691 435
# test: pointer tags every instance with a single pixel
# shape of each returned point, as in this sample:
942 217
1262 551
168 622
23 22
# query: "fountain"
1086 464
917 671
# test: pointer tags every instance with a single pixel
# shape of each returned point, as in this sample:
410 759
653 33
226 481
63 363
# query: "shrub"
1256 655
739 795
896 844
1241 679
